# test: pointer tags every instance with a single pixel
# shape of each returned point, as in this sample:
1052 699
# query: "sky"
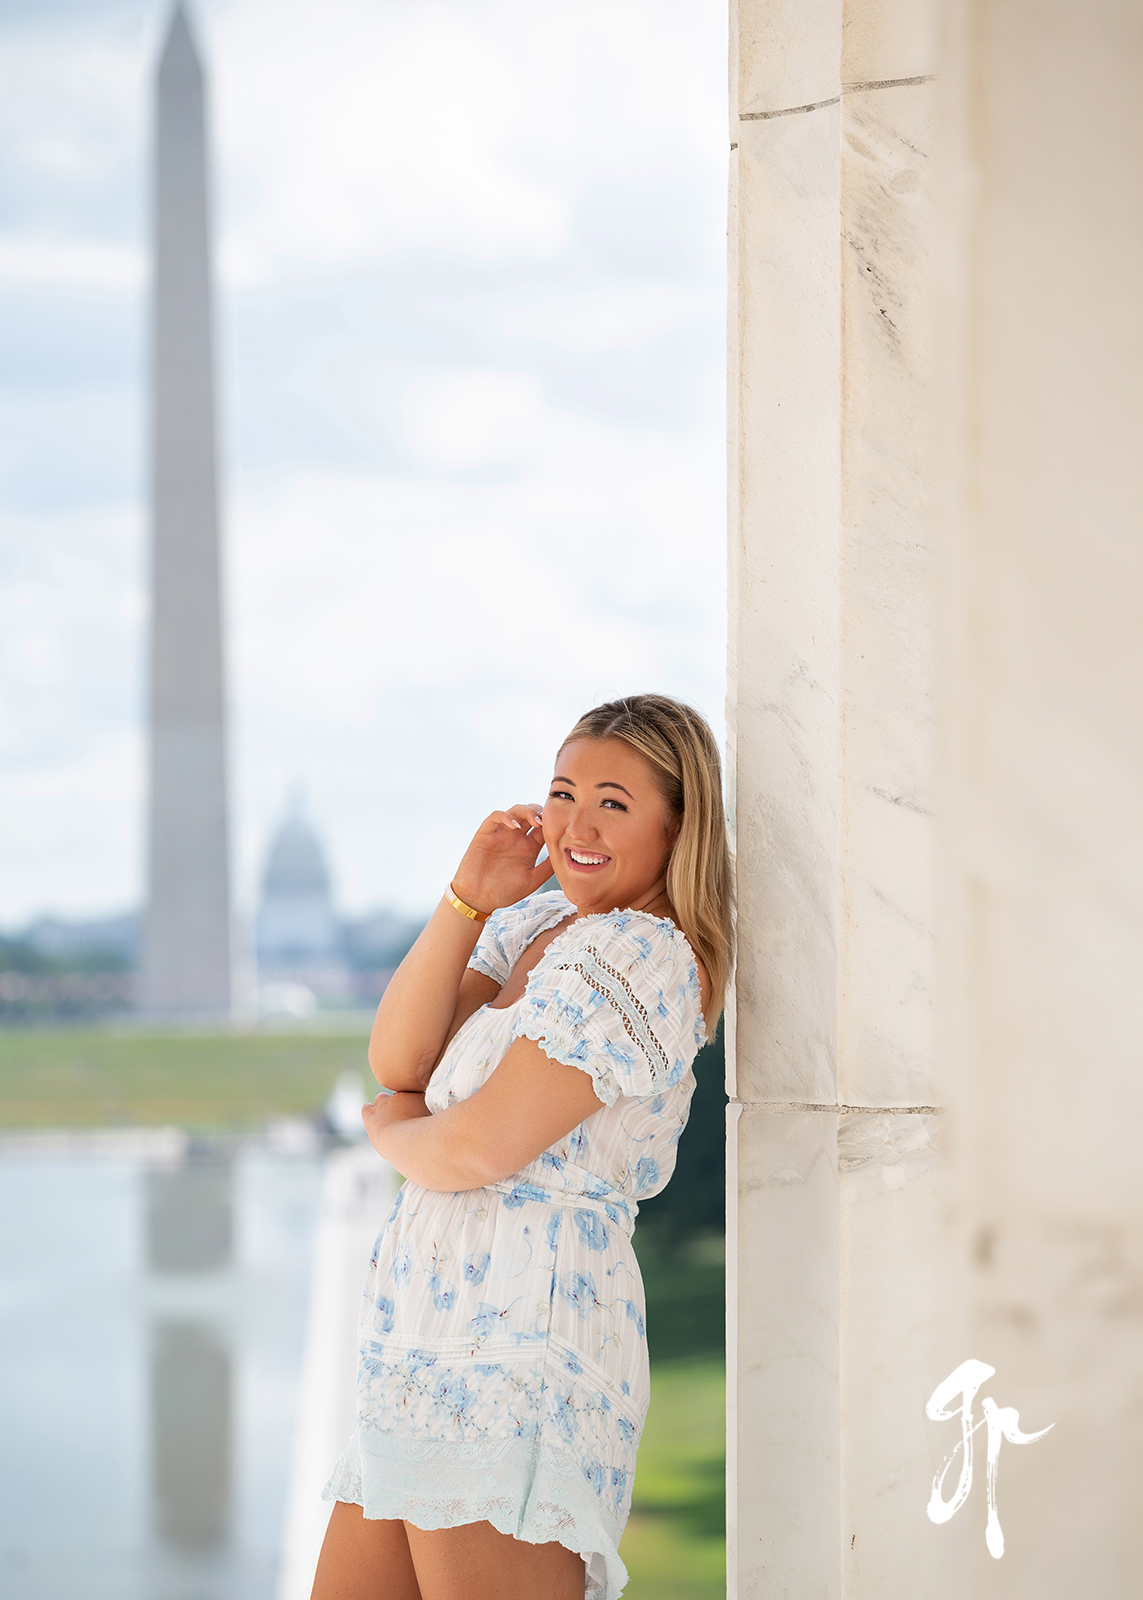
470 290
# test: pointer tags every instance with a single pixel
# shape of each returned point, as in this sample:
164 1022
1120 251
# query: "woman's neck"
654 901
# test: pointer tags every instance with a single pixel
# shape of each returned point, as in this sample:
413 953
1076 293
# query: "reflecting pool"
153 1308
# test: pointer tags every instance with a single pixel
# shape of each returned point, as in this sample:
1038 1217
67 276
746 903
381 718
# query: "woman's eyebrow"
605 785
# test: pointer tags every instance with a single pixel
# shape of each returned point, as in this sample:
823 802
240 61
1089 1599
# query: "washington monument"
187 958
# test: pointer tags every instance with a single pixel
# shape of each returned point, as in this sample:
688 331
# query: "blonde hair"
678 743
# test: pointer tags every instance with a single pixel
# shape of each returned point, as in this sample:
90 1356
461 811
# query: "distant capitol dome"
296 864
296 920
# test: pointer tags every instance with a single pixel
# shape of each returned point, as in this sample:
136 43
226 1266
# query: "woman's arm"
528 1103
421 999
432 992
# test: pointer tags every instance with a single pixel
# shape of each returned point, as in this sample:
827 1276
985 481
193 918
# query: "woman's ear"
673 831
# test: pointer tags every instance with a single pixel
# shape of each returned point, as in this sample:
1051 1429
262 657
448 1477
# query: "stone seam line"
846 88
869 1111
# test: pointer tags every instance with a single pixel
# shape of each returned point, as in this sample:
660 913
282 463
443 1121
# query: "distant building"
298 936
68 971
98 944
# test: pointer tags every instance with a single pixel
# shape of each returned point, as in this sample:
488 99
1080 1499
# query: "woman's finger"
529 816
500 819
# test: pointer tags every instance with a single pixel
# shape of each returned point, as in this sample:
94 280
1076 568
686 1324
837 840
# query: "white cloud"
43 262
64 154
71 748
351 131
619 317
396 144
466 420
71 833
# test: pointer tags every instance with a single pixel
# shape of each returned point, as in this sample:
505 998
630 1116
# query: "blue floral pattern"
503 1360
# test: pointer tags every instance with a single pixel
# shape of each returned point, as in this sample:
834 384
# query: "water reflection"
189 1212
153 1301
190 1433
190 1230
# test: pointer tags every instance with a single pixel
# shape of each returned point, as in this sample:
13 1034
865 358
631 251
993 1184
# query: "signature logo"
1002 1422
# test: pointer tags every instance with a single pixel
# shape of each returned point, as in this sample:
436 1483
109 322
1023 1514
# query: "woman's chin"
590 898
575 890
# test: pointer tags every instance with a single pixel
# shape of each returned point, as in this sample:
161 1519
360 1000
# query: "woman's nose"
583 825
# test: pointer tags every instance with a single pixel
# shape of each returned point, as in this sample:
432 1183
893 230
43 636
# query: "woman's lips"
589 860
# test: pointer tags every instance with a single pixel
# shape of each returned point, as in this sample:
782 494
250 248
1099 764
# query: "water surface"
153 1299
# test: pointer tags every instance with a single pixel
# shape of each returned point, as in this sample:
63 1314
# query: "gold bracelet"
466 911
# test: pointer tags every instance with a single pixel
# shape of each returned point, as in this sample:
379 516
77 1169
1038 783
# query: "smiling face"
608 829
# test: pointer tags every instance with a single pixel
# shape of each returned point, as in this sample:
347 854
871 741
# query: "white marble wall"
936 760
837 1145
1042 717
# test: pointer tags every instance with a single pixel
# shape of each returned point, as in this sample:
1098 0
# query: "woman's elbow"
391 1074
373 1056
380 1075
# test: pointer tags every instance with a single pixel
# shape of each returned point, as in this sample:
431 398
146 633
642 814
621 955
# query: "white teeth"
588 861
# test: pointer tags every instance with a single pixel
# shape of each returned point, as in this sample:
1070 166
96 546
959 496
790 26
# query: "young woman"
538 1050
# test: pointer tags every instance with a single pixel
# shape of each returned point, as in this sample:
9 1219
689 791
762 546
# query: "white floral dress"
503 1353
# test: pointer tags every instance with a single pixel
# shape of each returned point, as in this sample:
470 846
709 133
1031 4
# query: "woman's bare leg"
476 1562
364 1559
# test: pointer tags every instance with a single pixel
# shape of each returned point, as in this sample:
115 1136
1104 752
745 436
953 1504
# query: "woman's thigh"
476 1562
363 1559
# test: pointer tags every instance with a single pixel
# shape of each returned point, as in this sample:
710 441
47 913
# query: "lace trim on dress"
618 920
536 1497
614 988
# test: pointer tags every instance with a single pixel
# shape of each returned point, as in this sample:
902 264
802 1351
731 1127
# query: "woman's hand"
389 1109
432 992
499 866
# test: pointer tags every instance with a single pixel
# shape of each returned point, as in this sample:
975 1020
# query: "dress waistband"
617 1212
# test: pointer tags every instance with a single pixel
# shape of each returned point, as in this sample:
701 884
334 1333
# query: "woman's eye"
618 804
559 794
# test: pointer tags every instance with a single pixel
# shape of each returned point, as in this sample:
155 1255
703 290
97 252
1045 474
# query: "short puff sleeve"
618 996
511 929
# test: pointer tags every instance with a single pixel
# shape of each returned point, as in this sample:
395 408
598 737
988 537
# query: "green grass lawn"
675 1542
93 1078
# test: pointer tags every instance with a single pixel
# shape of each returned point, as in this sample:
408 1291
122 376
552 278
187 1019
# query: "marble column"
187 943
936 757
1041 695
839 1189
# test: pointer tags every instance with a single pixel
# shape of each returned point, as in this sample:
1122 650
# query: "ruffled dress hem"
535 1496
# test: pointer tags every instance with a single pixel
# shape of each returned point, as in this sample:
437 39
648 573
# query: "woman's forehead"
598 759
